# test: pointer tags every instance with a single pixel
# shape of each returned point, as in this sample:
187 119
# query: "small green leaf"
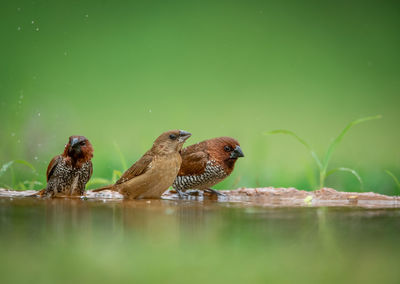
338 139
302 141
6 186
116 176
23 162
394 178
353 172
308 200
8 165
5 167
21 186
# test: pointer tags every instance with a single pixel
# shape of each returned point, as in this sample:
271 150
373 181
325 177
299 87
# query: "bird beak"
74 142
237 153
74 148
183 135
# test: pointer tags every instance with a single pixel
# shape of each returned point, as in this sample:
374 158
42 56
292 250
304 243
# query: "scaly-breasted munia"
155 171
68 173
207 163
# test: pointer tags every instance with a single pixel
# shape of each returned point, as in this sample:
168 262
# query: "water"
181 241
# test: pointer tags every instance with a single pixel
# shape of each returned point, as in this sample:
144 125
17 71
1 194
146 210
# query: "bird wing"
90 170
137 169
194 162
52 165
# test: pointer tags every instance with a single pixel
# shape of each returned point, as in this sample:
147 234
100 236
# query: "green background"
122 72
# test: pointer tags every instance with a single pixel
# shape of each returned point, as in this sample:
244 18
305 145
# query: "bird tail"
109 187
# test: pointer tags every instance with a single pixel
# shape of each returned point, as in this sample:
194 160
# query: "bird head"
225 150
170 142
78 149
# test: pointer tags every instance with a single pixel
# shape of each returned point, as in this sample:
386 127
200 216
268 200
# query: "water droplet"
19 28
37 29
13 134
35 158
38 114
19 102
87 16
149 110
18 9
18 141
21 97
65 53
33 22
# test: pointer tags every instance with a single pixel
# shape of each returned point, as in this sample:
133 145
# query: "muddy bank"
292 197
267 196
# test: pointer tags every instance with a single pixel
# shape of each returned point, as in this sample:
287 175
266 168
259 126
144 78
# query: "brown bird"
207 163
68 173
155 171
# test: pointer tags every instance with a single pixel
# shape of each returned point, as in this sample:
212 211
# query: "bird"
207 163
68 173
155 171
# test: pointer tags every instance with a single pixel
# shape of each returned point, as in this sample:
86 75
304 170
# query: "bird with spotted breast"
68 173
155 171
207 163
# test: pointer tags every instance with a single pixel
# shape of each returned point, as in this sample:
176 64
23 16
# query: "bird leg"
213 191
181 193
194 192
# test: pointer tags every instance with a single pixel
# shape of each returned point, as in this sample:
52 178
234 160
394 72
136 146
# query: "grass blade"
5 167
6 186
121 157
394 178
20 186
23 162
302 141
338 139
116 176
353 172
32 184
28 185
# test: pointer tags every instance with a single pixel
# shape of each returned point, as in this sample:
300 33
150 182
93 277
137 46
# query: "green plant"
323 164
121 156
20 185
394 178
28 185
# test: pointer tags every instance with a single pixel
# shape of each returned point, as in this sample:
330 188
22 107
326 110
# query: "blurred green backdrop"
122 72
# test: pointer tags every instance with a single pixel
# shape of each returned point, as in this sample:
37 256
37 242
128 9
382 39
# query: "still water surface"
182 241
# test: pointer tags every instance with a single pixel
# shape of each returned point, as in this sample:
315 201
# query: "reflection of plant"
323 164
24 185
394 178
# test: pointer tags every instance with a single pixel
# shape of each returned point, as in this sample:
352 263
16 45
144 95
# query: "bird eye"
83 143
172 136
227 149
